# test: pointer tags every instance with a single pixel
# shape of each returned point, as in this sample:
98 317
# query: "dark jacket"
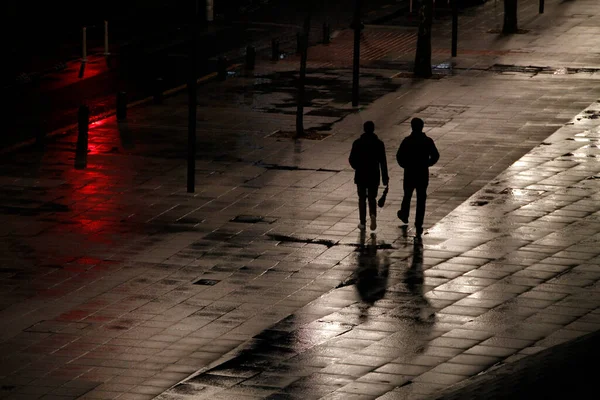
368 159
417 153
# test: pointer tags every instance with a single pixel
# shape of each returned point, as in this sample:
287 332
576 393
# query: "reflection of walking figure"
414 281
370 165
416 154
371 274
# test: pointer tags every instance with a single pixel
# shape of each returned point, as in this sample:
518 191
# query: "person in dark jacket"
370 168
416 154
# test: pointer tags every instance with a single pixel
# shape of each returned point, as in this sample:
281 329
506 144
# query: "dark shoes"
402 217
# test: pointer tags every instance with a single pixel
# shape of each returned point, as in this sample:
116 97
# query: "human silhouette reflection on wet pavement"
371 273
293 358
413 279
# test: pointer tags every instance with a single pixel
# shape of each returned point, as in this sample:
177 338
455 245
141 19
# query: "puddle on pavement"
279 167
533 69
325 91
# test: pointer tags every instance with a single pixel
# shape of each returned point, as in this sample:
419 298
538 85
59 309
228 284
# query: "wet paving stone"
498 280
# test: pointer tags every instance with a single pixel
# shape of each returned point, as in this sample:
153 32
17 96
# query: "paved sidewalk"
119 284
510 272
562 371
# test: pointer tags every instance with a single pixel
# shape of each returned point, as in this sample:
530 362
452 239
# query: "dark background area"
39 34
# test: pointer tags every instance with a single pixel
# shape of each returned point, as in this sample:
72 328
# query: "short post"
158 91
106 53
222 68
326 33
541 6
250 58
298 42
82 69
84 58
274 50
121 106
83 122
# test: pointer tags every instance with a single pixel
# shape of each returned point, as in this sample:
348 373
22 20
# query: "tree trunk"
510 16
423 54
302 78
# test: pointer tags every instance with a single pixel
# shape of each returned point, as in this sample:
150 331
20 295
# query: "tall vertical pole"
84 58
454 27
106 53
356 24
192 91
304 40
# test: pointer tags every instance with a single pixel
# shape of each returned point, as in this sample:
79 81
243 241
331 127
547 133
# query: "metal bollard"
83 122
298 42
326 33
158 91
275 50
84 46
250 58
106 53
121 106
82 69
222 68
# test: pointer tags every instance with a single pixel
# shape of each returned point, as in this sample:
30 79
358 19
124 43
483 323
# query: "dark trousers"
412 183
364 193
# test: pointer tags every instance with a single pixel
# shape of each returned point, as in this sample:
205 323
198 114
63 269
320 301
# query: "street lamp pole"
454 27
357 25
192 92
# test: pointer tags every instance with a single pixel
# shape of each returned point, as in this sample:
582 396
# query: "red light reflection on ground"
94 222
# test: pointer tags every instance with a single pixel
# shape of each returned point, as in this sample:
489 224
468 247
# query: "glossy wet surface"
489 284
117 283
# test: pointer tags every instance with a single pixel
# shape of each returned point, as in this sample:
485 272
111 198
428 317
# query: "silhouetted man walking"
370 166
416 154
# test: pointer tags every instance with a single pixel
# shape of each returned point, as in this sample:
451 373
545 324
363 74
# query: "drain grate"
439 115
207 282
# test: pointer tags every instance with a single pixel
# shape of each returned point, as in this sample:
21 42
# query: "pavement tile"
347 369
458 369
439 378
404 369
